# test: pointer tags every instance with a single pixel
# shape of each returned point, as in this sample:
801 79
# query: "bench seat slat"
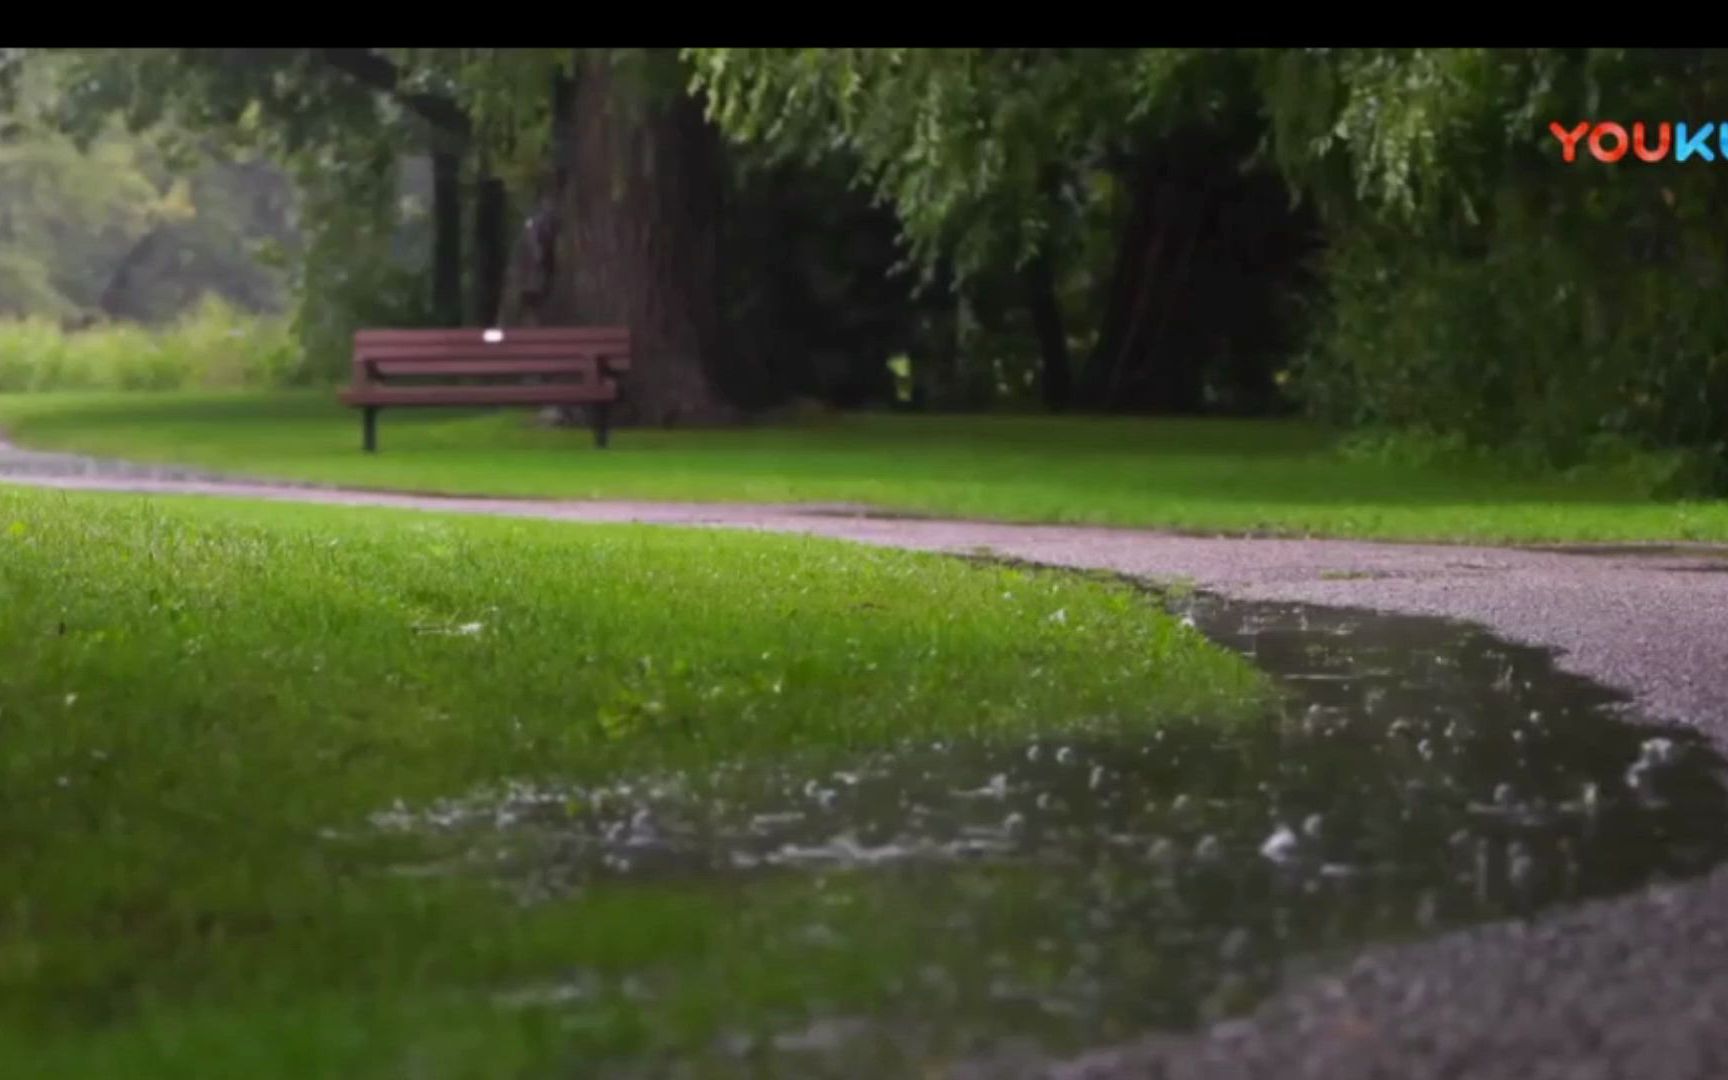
478 368
480 353
543 394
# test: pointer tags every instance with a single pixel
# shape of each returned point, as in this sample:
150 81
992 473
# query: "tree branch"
378 72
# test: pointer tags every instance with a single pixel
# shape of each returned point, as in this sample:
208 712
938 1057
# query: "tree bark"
532 269
446 238
1055 383
1137 248
489 244
116 295
638 242
1138 363
1172 362
935 352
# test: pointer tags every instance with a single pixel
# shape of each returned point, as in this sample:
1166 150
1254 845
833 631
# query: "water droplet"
1638 777
1521 866
1427 910
1235 945
1280 846
1657 751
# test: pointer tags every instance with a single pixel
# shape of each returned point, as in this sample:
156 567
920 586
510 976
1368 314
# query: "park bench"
537 365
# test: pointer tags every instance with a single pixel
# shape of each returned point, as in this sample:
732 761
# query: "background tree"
1480 290
1387 237
111 229
1001 161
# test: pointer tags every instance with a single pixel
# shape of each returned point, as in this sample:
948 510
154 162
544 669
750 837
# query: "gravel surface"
1635 987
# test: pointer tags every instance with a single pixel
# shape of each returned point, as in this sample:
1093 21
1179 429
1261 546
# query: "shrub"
1545 348
213 346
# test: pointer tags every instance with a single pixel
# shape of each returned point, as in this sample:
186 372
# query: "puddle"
1422 775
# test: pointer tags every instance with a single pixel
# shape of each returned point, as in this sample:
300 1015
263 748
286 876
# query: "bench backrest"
506 350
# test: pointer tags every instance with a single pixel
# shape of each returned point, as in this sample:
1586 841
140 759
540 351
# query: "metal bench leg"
370 437
602 415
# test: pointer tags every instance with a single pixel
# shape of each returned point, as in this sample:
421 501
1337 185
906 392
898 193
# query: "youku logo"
1609 142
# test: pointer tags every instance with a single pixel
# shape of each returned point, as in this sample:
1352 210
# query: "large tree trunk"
1145 358
489 245
1055 382
116 295
531 272
1196 314
446 237
638 237
935 354
1170 347
1138 243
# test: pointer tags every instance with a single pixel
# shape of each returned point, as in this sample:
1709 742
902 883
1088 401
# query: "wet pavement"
22 465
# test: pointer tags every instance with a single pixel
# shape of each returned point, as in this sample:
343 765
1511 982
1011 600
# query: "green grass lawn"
197 691
1229 476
